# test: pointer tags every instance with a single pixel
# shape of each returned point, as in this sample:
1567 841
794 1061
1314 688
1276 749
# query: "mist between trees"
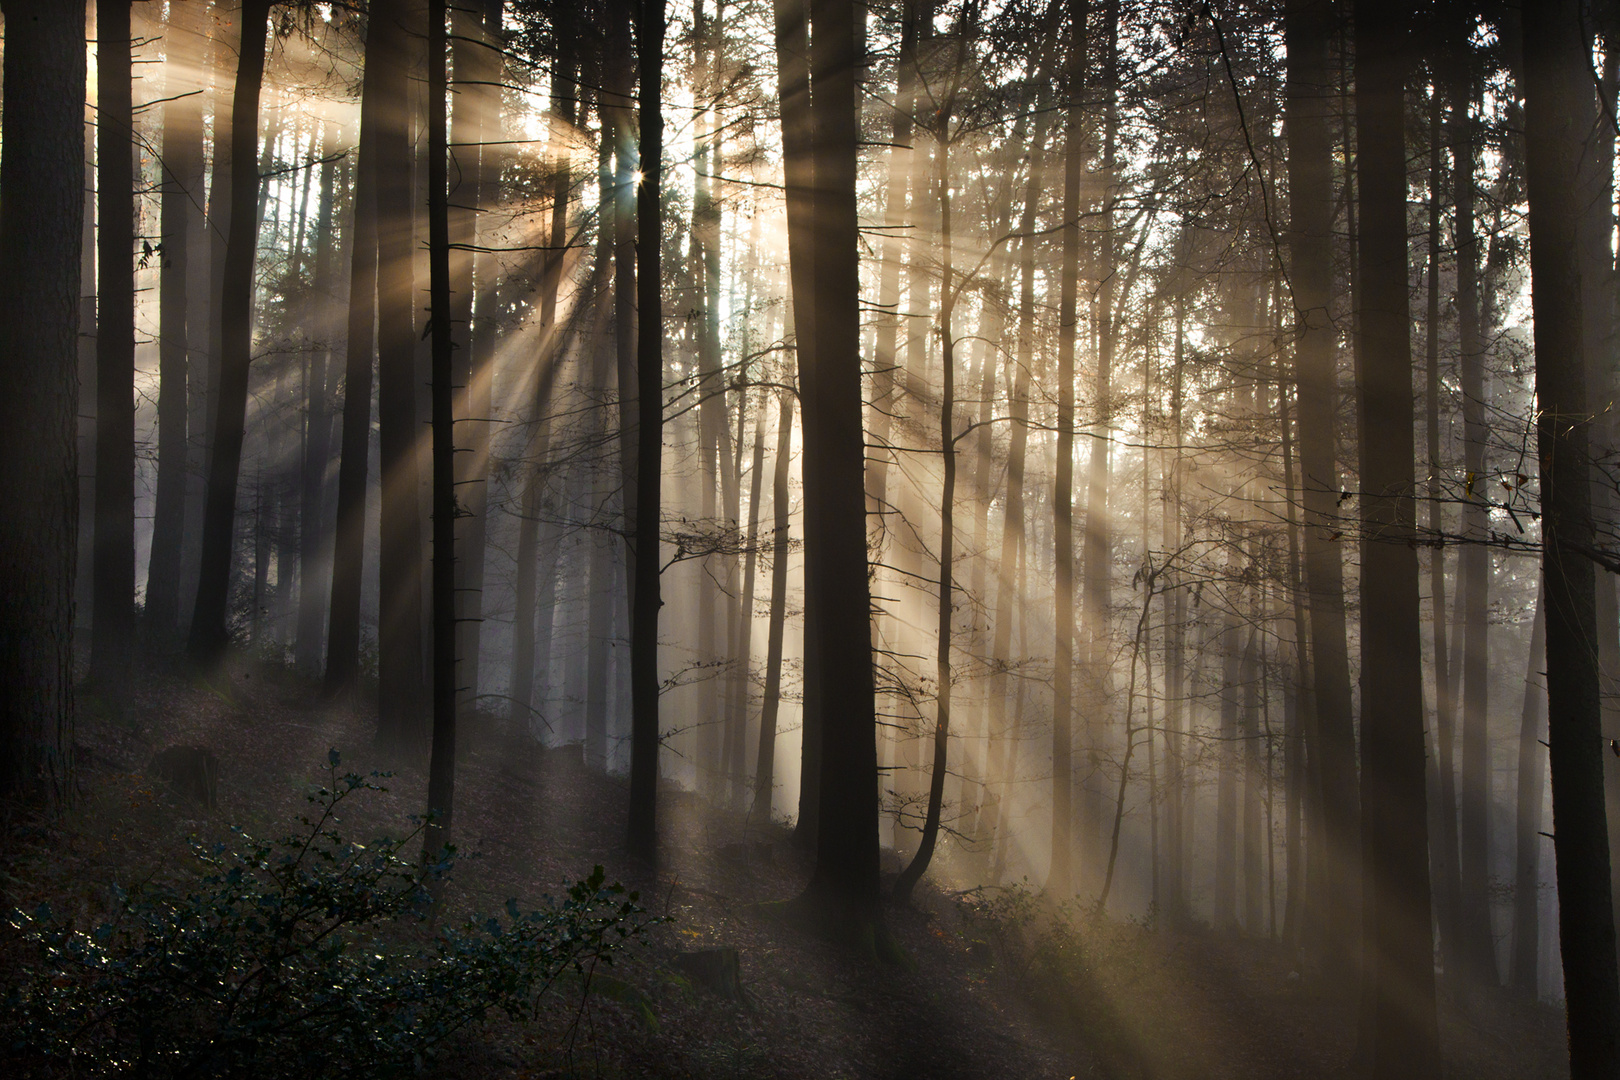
1161 450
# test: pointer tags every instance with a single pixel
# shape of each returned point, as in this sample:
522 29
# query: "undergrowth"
310 955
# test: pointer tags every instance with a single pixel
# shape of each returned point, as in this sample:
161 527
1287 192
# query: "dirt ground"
967 1002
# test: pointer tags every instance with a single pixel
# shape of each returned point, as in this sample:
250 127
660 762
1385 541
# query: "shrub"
311 955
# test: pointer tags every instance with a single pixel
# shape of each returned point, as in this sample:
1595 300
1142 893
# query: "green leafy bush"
309 956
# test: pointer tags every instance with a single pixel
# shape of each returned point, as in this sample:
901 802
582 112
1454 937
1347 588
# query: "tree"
209 636
1397 943
442 763
645 600
41 215
182 188
343 623
843 889
1310 90
1559 116
112 643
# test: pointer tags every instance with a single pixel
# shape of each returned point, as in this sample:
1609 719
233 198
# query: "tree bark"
644 732
765 762
209 634
1559 116
42 200
1525 966
112 638
1059 879
1398 950
1309 119
442 763
343 611
843 888
182 184
402 677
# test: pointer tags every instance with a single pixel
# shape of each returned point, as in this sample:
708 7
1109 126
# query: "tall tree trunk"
112 640
313 581
765 763
42 200
442 763
1477 950
1059 880
537 513
1444 848
843 888
1309 117
348 550
947 522
485 332
1098 539
1398 949
644 733
181 185
1224 912
402 678
1525 966
209 636
1559 116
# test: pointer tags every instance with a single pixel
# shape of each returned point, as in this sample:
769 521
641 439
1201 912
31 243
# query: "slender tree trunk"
442 763
1477 950
1309 117
1098 536
42 201
1444 848
1558 117
843 888
1398 950
402 678
947 526
1059 880
181 184
644 733
112 641
209 636
535 506
1525 965
765 763
343 621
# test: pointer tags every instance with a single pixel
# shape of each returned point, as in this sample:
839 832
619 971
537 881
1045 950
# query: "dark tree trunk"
1097 539
644 733
1477 950
765 763
182 186
402 678
1525 966
799 174
947 517
525 650
112 639
1443 851
1398 950
1559 116
1332 878
843 889
209 636
1059 879
314 583
343 624
442 763
42 182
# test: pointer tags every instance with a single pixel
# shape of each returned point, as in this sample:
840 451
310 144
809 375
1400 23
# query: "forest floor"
990 988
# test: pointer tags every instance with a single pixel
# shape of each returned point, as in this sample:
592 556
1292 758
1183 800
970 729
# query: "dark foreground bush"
309 956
